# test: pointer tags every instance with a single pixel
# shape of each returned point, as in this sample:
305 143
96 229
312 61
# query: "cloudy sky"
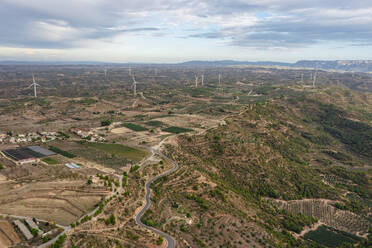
179 30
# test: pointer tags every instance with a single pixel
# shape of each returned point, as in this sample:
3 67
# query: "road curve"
171 242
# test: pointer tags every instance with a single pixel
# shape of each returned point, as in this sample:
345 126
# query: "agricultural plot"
324 235
134 127
177 130
49 192
119 150
62 152
326 213
108 155
50 160
8 235
155 123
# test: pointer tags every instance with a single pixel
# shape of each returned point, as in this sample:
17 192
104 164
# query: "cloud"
263 24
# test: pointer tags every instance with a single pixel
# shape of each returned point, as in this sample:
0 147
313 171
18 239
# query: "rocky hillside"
231 178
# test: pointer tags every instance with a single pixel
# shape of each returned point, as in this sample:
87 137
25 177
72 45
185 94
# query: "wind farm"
118 134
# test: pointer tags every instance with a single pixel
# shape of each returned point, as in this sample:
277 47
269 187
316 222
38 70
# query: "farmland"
50 160
49 192
176 130
262 159
134 127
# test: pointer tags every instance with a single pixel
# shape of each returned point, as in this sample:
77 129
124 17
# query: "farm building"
29 154
33 225
23 229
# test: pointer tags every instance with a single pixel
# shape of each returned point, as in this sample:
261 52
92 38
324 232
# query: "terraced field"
62 198
327 214
8 236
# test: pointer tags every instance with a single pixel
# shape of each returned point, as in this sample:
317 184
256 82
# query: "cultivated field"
8 235
52 193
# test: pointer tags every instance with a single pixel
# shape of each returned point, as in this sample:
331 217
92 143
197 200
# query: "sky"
180 30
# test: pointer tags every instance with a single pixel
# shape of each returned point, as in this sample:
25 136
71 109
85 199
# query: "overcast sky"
179 30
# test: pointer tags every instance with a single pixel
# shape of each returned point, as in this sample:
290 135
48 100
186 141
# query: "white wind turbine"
302 79
202 79
134 85
35 85
315 75
105 70
219 79
196 81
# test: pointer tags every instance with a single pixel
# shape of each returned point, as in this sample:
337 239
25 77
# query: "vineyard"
326 213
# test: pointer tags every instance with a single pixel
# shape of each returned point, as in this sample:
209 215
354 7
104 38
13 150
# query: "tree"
106 123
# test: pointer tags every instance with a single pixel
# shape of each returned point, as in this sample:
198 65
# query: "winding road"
171 242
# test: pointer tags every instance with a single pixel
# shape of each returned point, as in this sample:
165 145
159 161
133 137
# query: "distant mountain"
13 62
342 65
232 62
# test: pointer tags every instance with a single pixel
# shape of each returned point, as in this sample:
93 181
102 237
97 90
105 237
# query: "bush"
63 134
59 242
134 168
110 220
34 232
106 123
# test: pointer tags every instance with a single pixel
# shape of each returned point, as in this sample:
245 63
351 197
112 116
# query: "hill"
270 174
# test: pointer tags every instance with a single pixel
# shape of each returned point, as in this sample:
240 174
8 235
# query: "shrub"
106 123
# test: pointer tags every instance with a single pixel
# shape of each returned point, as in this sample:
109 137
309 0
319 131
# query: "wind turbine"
34 84
302 78
134 85
105 70
314 80
219 79
196 81
202 79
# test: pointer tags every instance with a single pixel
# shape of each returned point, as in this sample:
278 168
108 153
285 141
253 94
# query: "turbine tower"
314 80
35 85
134 85
219 79
202 79
105 70
302 78
196 81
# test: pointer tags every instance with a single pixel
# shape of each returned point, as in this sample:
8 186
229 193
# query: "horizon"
82 62
178 31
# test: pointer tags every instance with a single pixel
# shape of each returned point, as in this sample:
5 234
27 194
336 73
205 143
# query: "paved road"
171 242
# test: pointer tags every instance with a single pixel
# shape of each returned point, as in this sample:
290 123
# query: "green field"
177 130
330 238
50 160
118 150
62 152
155 123
134 127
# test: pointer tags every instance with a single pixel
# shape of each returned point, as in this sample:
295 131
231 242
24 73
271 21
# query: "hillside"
272 172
